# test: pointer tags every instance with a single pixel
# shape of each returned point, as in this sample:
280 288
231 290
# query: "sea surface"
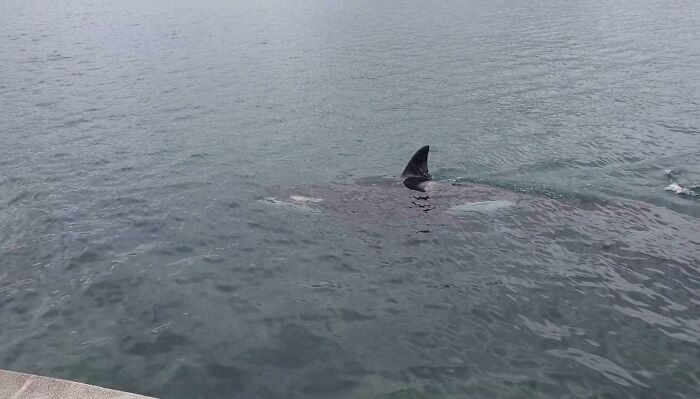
150 150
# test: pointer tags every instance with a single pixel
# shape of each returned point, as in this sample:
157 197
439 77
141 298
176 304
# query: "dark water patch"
86 257
200 383
214 259
73 123
350 315
294 347
104 292
225 288
183 249
233 205
691 130
163 343
327 285
328 381
50 314
23 195
439 373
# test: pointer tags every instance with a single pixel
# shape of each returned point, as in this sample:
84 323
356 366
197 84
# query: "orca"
383 208
370 195
416 175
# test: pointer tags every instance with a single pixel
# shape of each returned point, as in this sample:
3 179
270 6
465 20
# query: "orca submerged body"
370 195
386 206
417 177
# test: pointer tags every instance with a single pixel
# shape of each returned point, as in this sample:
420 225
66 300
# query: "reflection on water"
161 162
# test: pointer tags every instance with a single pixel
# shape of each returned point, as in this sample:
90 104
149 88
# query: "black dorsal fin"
418 165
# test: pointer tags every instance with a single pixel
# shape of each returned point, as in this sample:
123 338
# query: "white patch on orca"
678 189
276 202
301 198
481 206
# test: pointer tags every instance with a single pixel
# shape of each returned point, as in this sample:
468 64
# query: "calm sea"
139 140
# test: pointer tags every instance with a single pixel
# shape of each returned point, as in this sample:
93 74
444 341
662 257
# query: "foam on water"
680 190
481 206
276 202
301 198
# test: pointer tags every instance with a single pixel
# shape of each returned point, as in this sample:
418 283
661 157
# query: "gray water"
137 140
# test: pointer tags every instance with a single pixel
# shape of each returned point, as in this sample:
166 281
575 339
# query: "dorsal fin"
418 165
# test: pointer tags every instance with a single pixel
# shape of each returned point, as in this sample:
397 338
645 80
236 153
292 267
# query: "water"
139 142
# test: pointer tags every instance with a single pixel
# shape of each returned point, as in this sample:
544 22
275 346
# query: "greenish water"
139 142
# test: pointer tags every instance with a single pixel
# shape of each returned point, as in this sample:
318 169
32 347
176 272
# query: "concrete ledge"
26 386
